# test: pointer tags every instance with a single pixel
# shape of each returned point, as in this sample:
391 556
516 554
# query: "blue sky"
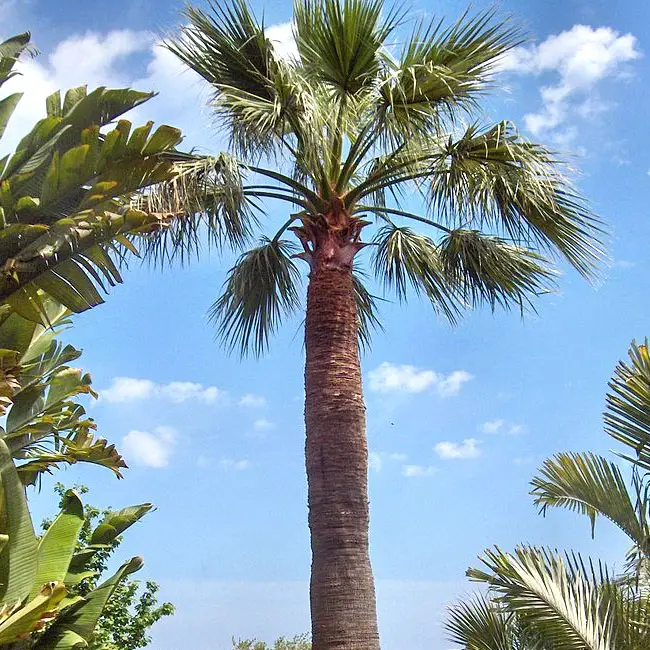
458 418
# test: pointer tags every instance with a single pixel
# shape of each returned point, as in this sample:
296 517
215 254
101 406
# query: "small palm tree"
541 599
354 134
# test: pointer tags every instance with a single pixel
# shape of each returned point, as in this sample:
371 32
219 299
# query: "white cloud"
182 391
281 36
92 59
149 449
130 389
500 426
263 425
252 401
376 459
451 384
236 465
389 377
468 448
492 426
580 59
411 471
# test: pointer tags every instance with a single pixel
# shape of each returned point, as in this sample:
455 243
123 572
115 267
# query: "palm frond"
69 261
45 426
402 258
256 95
261 289
627 415
592 486
10 51
550 597
480 624
340 42
366 311
486 269
440 70
65 199
205 196
498 179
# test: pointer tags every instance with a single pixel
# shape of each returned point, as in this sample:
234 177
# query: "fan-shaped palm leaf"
261 288
403 257
490 270
440 70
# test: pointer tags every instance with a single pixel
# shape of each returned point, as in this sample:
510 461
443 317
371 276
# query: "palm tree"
353 133
541 599
591 485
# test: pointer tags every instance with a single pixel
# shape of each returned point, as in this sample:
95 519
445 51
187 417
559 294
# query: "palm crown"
353 125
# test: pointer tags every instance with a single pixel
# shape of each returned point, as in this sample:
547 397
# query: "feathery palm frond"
480 624
45 426
488 269
551 597
64 246
627 417
65 196
261 288
590 485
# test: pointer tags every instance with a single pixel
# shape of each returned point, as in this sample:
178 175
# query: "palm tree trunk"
343 608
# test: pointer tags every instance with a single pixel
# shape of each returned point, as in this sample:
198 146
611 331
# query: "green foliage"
66 194
133 606
45 424
37 601
347 129
67 214
298 642
128 616
261 289
542 599
627 418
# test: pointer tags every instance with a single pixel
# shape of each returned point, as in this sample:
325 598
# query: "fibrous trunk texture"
343 607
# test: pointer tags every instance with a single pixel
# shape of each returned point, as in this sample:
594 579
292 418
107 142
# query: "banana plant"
45 425
67 212
35 604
